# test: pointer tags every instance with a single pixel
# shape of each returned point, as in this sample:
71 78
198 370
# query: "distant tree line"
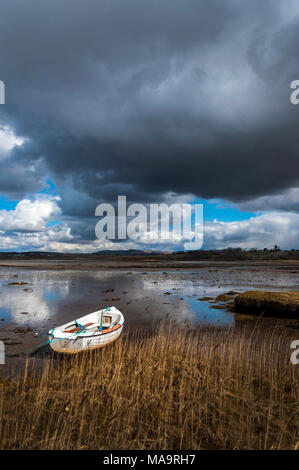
228 254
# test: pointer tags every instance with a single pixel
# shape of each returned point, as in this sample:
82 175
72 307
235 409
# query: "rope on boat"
31 349
39 346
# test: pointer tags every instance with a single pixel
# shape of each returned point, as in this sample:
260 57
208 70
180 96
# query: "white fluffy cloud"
33 225
262 231
30 215
8 140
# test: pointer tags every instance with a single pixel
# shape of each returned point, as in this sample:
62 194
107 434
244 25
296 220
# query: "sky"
160 100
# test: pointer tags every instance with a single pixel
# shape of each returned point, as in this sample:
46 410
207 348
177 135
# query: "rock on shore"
271 304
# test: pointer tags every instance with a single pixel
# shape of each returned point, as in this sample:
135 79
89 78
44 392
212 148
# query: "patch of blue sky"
50 188
51 223
7 204
223 211
10 204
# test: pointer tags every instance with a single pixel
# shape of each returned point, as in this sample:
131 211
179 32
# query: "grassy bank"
163 390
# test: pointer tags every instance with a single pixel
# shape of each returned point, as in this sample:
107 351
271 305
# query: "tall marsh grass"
168 389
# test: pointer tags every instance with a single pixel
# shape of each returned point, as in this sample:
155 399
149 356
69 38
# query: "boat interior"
77 327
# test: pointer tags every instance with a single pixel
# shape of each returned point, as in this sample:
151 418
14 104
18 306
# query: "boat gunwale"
97 333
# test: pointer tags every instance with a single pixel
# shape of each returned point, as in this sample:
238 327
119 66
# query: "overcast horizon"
162 101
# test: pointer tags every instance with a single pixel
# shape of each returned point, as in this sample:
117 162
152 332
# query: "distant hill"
229 254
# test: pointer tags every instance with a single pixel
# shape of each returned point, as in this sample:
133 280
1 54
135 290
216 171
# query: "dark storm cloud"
148 97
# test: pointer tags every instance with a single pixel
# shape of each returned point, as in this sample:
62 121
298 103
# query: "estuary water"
33 301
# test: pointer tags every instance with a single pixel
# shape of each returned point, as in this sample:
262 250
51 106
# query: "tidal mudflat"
35 298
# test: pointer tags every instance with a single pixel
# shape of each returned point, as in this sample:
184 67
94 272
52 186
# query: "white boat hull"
84 344
91 335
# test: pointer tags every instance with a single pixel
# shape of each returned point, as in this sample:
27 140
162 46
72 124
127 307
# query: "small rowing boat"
92 331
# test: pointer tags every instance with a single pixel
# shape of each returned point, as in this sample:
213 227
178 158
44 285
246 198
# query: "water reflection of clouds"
34 303
140 285
18 301
206 314
5 313
190 290
56 290
47 293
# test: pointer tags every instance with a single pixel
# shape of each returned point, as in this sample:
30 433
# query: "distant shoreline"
229 254
137 263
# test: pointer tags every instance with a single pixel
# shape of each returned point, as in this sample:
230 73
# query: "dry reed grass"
168 389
